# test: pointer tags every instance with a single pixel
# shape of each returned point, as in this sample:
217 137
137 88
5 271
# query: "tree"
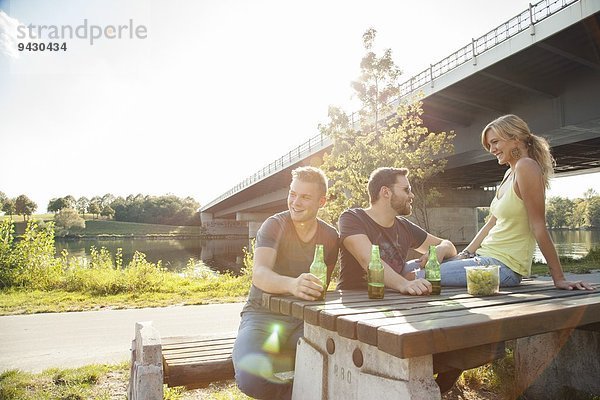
82 204
558 211
3 198
107 212
594 212
578 214
382 138
9 207
94 208
70 201
24 206
67 218
107 199
57 204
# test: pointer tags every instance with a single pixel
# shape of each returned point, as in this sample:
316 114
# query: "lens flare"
271 345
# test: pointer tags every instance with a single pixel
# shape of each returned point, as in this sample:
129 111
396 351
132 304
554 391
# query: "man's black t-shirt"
293 255
394 243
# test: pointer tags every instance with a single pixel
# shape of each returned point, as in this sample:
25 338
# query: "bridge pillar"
254 220
206 217
466 198
253 229
457 224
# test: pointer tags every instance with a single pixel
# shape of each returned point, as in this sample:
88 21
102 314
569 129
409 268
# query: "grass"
23 301
103 227
583 265
495 380
89 382
95 382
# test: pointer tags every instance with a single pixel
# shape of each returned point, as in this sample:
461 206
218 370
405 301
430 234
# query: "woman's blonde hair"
510 127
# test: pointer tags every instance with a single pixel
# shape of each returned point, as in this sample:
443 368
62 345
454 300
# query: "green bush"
29 263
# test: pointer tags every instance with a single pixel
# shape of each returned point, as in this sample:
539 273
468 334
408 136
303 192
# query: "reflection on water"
575 244
220 254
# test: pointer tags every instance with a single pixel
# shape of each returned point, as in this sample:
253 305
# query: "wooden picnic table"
357 348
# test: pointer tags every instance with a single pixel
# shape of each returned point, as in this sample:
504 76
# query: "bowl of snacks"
483 280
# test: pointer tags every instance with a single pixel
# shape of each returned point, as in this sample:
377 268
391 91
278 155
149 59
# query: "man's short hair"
384 176
311 175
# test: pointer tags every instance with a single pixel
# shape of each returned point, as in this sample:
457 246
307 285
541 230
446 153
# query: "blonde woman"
517 219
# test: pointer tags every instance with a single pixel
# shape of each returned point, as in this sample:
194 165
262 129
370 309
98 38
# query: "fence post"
431 74
531 25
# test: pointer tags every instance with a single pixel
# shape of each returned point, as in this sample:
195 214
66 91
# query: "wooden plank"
365 326
336 297
198 375
166 342
331 315
326 314
488 325
327 317
199 354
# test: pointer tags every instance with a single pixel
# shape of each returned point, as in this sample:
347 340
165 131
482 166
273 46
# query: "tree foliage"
9 207
94 208
559 211
82 204
383 137
168 210
24 206
583 212
68 219
594 212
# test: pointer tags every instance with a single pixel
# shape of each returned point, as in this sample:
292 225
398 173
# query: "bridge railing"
314 144
523 21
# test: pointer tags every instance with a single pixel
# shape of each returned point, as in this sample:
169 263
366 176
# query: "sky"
195 96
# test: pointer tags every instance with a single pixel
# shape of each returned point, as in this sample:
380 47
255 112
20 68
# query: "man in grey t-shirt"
285 246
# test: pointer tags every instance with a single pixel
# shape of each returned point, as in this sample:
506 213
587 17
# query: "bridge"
543 65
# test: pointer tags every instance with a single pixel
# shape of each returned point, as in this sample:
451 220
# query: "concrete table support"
329 366
557 365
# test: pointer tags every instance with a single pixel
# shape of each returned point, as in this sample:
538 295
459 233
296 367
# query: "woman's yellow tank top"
511 239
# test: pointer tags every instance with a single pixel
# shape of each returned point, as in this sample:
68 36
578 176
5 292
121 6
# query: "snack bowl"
483 280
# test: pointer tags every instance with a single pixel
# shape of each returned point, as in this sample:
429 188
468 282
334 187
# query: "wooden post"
146 379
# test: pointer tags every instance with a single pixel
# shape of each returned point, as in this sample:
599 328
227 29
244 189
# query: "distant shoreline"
145 236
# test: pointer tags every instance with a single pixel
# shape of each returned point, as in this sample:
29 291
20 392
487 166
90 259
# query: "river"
226 254
219 254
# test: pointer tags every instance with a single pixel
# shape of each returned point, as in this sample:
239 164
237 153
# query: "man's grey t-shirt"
293 255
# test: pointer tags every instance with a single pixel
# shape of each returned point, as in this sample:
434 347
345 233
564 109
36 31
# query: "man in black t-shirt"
285 247
382 223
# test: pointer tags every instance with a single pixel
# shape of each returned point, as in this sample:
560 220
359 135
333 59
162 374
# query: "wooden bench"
196 361
190 361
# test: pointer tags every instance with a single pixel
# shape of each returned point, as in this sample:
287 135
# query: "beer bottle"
319 269
432 271
376 286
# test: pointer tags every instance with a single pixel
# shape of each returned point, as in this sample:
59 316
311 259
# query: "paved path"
39 341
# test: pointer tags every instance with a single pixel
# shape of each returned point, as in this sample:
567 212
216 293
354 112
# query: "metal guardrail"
313 144
523 21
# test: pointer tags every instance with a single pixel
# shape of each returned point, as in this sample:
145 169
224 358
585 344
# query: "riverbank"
109 229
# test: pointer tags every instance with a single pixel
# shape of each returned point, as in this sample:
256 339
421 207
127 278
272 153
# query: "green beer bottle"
375 275
319 269
432 271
